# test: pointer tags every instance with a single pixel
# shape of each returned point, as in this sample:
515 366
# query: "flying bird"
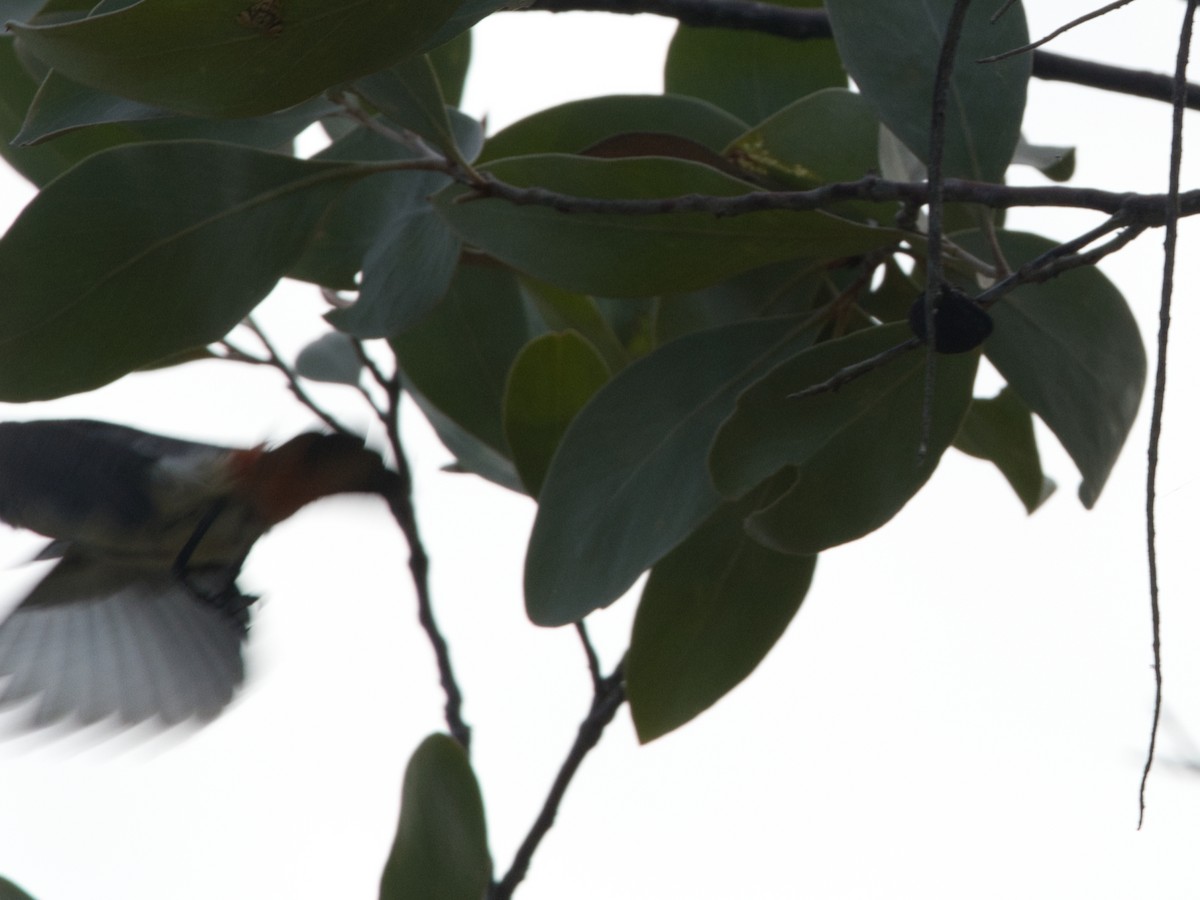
142 617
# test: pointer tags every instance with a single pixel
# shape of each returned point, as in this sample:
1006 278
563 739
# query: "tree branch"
1141 209
404 513
933 264
607 698
1160 383
809 24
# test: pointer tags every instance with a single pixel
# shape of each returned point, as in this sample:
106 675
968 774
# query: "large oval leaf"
111 267
441 848
234 58
832 135
640 255
629 481
456 363
550 381
1000 429
710 611
751 75
575 126
891 50
1071 349
854 451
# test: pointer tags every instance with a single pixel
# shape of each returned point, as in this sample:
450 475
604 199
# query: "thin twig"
294 384
1145 209
593 659
937 146
1160 384
808 24
607 699
1035 269
1028 48
843 377
403 512
1005 7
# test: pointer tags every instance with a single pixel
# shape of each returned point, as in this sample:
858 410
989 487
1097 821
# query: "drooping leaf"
110 268
575 126
711 610
619 255
458 361
441 848
749 74
330 358
196 58
550 381
855 451
1000 429
891 51
386 230
408 267
38 164
1071 350
629 481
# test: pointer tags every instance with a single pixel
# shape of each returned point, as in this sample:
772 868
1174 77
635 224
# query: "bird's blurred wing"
96 639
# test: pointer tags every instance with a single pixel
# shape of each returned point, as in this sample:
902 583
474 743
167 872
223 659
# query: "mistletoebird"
142 617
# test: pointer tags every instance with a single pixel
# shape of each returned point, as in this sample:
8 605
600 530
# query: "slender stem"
1160 385
593 659
1086 17
400 502
294 384
809 24
937 146
606 700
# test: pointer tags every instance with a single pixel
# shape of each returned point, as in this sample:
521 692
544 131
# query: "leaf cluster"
635 374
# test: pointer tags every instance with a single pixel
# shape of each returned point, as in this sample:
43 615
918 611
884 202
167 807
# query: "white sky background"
959 710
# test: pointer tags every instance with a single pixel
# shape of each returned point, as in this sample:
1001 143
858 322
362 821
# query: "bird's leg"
179 568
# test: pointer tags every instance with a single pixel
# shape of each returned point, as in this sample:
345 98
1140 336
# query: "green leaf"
385 229
1000 430
408 266
563 310
711 610
780 289
38 164
832 135
1071 350
550 381
111 267
750 75
854 450
629 481
891 51
573 127
640 255
330 358
458 361
63 106
441 848
228 59
9 891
